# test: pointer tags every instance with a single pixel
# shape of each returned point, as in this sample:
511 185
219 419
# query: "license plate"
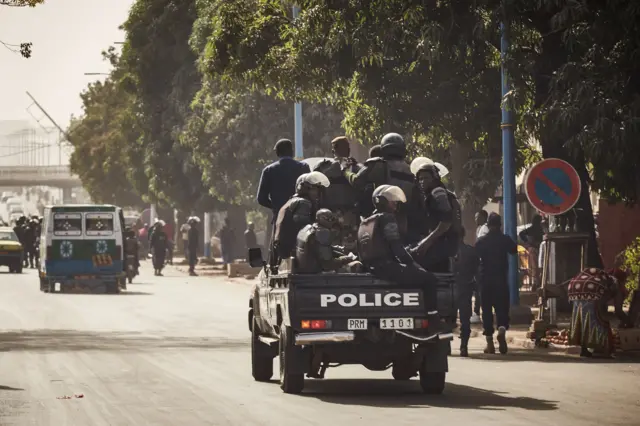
396 323
357 324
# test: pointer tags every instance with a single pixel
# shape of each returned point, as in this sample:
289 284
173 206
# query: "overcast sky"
68 37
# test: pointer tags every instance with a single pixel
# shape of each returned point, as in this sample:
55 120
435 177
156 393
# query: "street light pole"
508 169
297 111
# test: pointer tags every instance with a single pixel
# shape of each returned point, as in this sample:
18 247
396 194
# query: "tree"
164 79
23 49
430 70
101 138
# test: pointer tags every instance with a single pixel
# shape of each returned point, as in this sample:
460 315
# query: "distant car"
11 252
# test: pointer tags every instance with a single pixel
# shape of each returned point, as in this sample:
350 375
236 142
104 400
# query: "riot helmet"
308 181
387 197
393 145
326 218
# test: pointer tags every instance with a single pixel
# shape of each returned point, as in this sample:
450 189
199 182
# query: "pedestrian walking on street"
226 242
250 240
193 239
481 230
184 232
493 250
159 243
466 269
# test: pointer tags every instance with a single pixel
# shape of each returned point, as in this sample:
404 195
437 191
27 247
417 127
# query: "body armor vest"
286 228
305 256
340 195
399 174
372 245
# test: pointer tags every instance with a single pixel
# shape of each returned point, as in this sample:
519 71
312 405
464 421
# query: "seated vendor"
314 250
590 292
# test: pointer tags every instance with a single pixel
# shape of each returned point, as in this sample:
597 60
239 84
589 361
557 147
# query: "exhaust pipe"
442 336
332 337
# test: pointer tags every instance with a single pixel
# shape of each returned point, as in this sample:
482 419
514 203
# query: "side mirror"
255 258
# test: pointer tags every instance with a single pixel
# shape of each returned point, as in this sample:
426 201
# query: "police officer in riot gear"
314 250
389 169
340 197
297 213
441 219
381 249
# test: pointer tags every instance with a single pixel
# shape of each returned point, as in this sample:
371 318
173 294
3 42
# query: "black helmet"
326 218
393 145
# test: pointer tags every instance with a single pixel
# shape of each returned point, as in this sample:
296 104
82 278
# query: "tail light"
315 324
420 323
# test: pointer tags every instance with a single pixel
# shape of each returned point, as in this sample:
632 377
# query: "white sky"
68 37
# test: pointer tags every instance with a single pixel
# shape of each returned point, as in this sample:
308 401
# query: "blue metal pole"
508 171
297 112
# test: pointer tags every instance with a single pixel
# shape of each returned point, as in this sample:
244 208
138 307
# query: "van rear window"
98 224
67 224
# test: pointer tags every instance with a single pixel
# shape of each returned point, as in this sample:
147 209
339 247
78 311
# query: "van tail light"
315 324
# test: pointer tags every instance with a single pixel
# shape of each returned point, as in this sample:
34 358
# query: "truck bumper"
100 284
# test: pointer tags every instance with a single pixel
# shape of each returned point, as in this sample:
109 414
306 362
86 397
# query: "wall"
618 226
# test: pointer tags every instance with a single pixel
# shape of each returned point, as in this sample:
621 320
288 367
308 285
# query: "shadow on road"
534 355
9 388
122 293
70 340
393 394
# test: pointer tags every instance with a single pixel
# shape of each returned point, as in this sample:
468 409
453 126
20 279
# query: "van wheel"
289 382
261 358
113 288
432 383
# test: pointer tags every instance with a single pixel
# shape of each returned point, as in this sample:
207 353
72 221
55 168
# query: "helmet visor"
420 162
390 193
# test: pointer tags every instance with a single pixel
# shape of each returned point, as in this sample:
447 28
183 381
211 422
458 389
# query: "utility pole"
297 112
508 168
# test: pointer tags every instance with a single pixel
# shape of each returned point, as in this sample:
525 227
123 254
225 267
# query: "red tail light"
420 323
315 324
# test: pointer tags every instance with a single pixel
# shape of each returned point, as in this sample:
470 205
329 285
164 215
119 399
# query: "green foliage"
23 49
630 258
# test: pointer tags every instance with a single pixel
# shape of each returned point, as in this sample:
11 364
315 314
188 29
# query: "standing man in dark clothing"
226 242
466 268
278 183
493 250
278 180
381 250
159 244
29 237
340 197
250 240
194 239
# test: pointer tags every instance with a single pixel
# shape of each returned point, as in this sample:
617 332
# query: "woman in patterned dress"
590 291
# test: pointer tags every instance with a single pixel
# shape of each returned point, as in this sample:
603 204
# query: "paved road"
174 351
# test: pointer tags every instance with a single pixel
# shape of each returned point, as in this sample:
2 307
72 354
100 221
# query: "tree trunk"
238 218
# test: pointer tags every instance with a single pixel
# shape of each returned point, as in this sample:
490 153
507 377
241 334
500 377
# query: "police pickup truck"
312 322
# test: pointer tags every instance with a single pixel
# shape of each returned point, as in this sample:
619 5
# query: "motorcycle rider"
132 248
296 213
159 243
381 249
340 197
29 237
441 219
314 250
389 169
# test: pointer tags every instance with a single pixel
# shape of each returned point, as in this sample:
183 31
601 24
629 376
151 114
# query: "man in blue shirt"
278 180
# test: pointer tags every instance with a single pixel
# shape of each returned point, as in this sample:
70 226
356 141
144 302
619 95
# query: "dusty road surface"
174 350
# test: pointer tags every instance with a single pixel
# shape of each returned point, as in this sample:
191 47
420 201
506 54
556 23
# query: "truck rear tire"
292 383
432 383
261 359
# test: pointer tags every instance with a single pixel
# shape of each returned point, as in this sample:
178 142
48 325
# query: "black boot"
464 350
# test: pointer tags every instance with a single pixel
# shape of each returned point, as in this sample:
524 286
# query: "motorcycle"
132 268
